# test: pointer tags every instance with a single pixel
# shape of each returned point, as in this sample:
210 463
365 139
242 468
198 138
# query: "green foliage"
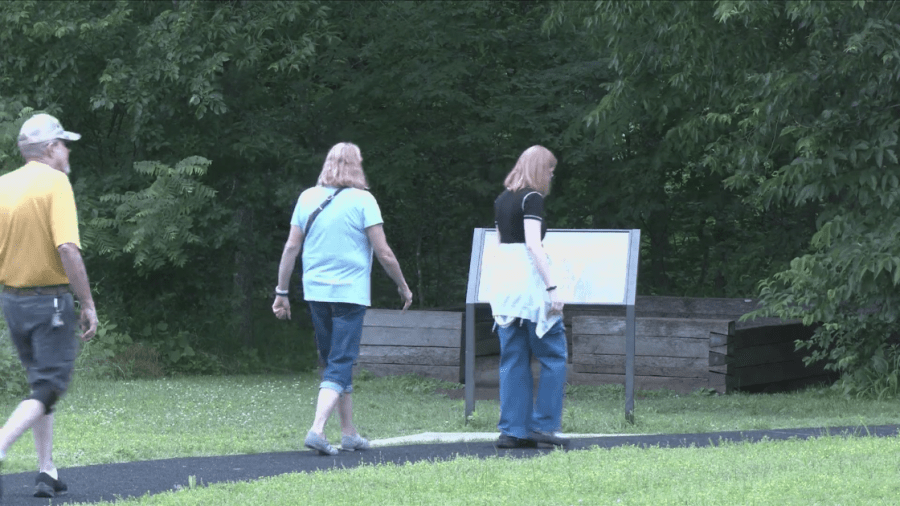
791 107
12 114
836 104
247 361
206 90
97 356
441 110
15 383
878 377
730 133
138 361
178 350
152 353
159 223
667 98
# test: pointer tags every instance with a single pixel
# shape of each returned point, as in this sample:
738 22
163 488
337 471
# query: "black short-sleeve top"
511 209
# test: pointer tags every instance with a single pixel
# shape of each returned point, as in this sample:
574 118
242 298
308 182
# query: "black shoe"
46 486
506 441
548 438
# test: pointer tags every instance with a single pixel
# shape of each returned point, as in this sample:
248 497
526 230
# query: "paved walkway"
111 481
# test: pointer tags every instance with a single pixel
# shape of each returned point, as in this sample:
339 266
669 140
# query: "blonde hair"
532 170
343 168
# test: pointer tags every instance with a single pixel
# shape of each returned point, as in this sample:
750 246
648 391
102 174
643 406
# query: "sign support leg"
470 361
629 364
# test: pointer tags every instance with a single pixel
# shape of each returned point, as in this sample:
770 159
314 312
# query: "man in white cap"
40 259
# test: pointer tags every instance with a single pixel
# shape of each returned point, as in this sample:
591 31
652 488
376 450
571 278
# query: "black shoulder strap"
318 210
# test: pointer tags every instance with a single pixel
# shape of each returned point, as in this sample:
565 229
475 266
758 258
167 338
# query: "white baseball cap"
42 128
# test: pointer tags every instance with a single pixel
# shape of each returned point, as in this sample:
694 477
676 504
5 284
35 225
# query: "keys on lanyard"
57 320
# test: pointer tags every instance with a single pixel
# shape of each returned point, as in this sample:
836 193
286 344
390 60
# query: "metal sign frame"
630 290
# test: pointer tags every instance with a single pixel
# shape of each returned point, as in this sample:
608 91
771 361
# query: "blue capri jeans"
338 333
519 415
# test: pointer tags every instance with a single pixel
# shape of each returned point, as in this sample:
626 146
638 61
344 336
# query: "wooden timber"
682 344
670 353
425 343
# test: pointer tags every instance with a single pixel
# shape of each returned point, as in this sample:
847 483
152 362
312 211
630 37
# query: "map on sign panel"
589 267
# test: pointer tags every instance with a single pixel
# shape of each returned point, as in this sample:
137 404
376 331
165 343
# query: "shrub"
15 383
136 362
878 378
106 355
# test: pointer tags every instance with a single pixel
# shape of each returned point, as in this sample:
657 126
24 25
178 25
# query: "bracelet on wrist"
284 293
551 288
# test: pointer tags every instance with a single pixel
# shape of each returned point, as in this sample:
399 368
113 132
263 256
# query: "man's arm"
78 279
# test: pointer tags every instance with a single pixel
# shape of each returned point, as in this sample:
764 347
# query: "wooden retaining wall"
682 344
426 343
764 358
672 353
683 354
645 306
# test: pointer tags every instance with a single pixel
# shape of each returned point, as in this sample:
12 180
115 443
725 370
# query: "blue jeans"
338 332
519 413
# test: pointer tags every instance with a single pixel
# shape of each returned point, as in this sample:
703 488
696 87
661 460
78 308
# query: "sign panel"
589 266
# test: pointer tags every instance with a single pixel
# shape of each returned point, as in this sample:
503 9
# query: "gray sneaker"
320 444
354 442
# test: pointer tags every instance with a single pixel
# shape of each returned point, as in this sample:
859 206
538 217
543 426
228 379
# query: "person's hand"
556 305
89 323
407 296
282 307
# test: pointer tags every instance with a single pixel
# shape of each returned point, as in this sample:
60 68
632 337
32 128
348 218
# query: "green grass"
108 421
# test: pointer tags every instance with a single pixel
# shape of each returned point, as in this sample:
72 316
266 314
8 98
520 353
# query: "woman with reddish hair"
526 308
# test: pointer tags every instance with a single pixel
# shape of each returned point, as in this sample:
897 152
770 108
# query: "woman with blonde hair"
526 308
337 225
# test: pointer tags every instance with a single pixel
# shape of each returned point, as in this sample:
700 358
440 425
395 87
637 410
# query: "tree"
657 117
441 109
152 85
203 121
793 105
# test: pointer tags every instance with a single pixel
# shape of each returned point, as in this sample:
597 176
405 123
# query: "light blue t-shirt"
337 255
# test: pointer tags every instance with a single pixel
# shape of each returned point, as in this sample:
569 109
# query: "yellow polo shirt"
37 215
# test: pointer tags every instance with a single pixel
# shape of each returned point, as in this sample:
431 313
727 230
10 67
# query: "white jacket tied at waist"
514 288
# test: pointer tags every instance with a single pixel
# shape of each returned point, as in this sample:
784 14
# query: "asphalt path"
109 482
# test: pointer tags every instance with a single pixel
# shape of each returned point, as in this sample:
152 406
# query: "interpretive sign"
591 267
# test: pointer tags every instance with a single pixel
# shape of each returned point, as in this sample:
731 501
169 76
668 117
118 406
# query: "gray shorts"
47 352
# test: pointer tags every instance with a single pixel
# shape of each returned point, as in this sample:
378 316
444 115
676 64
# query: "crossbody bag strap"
312 217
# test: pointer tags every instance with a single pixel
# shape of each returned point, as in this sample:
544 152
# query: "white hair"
36 150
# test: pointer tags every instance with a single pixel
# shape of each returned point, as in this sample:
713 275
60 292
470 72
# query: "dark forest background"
753 143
